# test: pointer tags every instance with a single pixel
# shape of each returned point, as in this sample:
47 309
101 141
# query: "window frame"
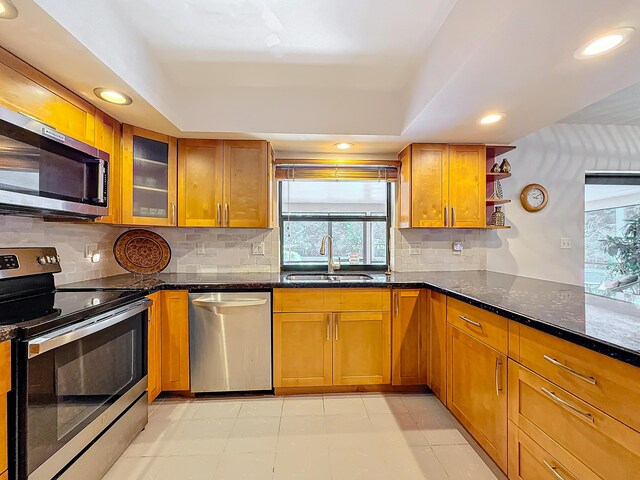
339 218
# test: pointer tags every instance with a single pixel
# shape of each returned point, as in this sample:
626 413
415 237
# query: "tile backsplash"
432 250
228 250
70 240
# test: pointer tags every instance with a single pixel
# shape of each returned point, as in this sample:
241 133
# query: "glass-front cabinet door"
149 177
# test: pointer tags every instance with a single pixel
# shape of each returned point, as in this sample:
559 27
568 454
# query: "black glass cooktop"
45 311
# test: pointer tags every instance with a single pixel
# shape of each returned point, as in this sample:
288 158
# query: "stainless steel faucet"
322 252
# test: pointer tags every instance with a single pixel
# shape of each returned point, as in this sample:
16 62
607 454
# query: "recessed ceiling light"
112 96
604 43
8 10
491 118
343 146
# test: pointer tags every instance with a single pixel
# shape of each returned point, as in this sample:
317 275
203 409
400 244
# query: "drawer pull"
553 470
581 376
568 406
498 389
468 320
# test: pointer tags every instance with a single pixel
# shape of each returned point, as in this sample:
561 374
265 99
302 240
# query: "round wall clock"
534 197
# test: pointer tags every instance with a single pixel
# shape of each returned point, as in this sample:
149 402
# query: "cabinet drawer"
605 383
298 300
487 327
357 299
551 416
529 461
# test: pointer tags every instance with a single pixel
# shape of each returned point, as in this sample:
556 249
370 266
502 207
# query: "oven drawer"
605 383
485 326
551 416
529 461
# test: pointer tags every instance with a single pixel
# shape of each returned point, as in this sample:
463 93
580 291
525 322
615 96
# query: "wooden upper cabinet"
200 171
437 348
442 186
409 337
246 171
109 139
149 177
224 183
467 186
174 330
429 185
27 90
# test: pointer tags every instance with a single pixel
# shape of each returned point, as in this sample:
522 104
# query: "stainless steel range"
81 377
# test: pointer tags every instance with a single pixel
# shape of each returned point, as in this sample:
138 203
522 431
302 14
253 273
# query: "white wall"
557 158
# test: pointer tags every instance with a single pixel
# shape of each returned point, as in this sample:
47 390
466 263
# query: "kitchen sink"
323 277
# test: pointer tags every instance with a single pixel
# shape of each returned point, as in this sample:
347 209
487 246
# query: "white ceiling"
307 74
621 108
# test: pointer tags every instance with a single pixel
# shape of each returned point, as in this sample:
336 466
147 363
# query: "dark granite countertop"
610 327
7 332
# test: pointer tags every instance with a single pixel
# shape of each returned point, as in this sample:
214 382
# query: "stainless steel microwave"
43 172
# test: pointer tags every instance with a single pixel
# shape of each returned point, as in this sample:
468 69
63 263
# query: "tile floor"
339 437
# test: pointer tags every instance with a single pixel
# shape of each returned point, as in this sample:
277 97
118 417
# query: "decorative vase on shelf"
495 168
497 217
498 190
505 166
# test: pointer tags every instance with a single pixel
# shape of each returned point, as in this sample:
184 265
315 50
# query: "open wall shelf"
494 151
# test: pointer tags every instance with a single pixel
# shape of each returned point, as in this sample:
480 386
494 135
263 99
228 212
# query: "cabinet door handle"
219 215
446 215
553 470
226 214
453 216
328 326
572 408
497 373
335 321
581 376
397 304
173 213
468 320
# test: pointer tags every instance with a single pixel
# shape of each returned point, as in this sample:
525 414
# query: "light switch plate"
565 243
90 249
257 248
415 249
200 250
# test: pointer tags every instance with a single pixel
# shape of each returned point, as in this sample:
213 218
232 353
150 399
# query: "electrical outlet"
90 249
200 250
565 243
415 249
457 248
257 248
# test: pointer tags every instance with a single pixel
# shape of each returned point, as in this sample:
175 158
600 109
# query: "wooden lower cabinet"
330 337
437 345
361 348
409 337
302 349
175 340
529 461
154 346
578 433
477 391
5 387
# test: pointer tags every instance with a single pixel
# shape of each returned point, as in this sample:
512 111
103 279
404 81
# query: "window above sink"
356 214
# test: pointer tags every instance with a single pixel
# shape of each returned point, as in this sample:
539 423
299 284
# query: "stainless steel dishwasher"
230 341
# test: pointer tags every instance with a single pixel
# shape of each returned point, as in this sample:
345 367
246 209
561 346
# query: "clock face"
535 197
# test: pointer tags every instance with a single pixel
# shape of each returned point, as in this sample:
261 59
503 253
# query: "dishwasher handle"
249 302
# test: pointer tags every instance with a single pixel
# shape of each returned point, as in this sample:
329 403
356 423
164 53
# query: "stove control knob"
42 260
53 259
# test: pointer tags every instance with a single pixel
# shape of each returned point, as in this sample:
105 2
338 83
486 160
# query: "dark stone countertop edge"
611 350
7 332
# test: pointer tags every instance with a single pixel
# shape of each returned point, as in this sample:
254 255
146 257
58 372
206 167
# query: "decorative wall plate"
142 251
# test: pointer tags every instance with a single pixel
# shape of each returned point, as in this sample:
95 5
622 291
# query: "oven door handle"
63 336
